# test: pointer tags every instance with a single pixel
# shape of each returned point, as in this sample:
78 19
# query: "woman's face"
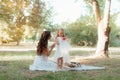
49 37
46 35
61 33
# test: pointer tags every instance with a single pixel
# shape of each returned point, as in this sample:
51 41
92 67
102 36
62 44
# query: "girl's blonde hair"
58 32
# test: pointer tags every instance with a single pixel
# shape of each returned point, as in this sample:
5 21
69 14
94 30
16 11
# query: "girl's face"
61 33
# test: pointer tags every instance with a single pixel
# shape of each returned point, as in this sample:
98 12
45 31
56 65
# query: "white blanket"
84 67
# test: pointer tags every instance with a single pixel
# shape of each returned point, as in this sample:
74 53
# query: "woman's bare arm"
48 51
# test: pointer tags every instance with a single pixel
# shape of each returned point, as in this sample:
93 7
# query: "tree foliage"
38 17
115 31
17 13
82 34
12 11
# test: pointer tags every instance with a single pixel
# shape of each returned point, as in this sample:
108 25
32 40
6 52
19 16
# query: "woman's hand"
48 51
53 45
56 42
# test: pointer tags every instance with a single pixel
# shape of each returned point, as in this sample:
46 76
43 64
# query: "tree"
12 11
18 13
38 17
103 28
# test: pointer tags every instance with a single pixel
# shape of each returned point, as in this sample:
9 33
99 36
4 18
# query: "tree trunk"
18 42
103 40
35 35
103 29
96 11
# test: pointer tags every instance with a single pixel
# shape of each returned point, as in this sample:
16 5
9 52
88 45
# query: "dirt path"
31 46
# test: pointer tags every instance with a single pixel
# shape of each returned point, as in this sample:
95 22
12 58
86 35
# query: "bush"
81 34
114 40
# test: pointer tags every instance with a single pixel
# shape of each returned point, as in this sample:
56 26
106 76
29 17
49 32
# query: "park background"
23 21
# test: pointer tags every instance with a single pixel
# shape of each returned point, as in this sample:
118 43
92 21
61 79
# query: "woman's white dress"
43 63
62 50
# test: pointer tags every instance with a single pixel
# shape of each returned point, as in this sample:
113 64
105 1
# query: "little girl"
62 47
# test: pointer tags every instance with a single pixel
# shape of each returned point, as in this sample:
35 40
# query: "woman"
41 61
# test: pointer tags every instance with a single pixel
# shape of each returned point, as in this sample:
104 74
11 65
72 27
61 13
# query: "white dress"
62 50
43 63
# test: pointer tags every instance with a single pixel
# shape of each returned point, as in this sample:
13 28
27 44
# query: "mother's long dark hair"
43 42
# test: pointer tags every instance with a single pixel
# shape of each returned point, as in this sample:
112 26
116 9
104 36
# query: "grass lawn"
14 65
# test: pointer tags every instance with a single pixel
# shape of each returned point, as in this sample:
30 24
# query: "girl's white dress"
62 50
43 63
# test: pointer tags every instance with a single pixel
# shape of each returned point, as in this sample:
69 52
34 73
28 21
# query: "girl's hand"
64 38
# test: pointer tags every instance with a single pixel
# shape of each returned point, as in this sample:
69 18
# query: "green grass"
15 66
